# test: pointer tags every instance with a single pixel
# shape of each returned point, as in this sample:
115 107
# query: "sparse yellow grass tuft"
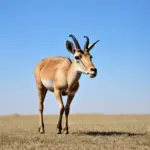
88 132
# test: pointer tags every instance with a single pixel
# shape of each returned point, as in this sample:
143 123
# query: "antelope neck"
73 75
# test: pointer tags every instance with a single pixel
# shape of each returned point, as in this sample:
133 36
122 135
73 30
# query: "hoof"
41 130
66 131
58 132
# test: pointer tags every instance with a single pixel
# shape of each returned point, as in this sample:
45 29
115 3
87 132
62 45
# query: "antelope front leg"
67 110
61 109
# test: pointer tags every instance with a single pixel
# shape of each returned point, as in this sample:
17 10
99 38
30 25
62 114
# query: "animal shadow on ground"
111 133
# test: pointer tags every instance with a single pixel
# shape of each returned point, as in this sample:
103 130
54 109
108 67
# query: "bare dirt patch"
87 132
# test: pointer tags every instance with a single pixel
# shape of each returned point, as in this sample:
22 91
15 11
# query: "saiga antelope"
61 76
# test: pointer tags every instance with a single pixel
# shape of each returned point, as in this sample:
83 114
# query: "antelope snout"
93 69
92 72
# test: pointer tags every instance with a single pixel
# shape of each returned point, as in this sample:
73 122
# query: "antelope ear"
92 45
70 47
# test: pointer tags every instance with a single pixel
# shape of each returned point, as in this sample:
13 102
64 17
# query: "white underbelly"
49 84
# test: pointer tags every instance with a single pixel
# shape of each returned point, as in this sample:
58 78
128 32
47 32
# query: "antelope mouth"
91 75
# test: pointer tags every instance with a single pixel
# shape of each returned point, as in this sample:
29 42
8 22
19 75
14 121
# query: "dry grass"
88 132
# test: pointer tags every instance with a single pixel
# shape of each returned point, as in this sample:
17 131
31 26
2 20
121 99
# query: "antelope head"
82 58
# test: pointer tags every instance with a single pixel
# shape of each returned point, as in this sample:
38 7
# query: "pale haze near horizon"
33 30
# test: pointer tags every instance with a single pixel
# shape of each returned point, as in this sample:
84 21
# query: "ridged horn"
92 45
75 42
87 43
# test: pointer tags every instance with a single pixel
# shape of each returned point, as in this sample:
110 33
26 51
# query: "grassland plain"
87 132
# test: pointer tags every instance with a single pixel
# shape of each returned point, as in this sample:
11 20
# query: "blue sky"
32 30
